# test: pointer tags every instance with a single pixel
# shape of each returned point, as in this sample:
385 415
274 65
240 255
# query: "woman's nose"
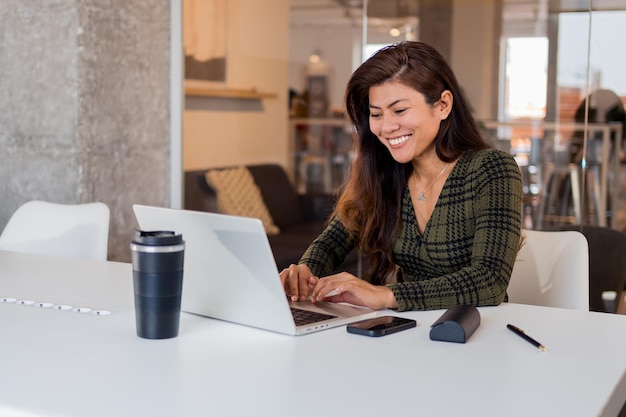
389 124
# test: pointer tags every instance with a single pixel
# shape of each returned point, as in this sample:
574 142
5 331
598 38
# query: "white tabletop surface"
63 363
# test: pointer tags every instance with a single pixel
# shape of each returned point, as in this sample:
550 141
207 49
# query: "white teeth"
400 140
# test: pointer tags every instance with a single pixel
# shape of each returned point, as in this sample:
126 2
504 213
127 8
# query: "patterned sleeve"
328 250
476 240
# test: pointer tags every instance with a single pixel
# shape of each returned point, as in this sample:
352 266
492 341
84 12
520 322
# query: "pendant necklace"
422 197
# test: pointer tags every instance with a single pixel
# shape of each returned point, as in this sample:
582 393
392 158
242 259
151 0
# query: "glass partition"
545 78
568 145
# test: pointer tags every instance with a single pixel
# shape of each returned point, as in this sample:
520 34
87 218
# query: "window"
526 72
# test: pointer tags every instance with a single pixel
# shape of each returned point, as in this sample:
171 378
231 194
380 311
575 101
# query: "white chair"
552 269
72 230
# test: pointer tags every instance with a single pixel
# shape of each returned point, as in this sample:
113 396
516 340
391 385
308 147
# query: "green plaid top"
468 248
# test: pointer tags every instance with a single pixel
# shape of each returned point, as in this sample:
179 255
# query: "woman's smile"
399 141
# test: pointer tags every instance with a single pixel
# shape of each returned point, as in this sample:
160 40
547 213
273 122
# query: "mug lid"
157 237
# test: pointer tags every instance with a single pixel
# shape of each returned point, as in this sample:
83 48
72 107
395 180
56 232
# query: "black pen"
527 338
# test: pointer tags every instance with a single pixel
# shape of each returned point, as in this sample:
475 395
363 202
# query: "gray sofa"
300 217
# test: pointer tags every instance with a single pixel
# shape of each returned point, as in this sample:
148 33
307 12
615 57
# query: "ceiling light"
315 57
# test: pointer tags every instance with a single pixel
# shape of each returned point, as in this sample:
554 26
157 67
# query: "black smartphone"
381 326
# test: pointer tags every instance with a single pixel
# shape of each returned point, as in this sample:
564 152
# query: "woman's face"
404 122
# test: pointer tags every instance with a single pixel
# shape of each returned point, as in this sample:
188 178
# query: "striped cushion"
238 194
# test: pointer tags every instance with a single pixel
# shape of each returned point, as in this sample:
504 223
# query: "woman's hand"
345 287
298 282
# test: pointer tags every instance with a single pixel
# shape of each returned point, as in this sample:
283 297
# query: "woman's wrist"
390 298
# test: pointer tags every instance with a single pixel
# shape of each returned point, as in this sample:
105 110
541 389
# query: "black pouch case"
457 324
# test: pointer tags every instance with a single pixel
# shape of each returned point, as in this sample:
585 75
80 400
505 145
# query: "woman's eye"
399 111
374 115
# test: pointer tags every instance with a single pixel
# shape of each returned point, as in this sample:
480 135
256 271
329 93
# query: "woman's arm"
328 250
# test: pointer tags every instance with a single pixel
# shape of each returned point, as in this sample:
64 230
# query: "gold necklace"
422 197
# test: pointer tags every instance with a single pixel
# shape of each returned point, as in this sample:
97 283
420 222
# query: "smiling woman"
435 210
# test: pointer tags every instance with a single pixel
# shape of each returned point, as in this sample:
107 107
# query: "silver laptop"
230 273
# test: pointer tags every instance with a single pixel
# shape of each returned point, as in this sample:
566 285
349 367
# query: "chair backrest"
607 265
552 269
72 230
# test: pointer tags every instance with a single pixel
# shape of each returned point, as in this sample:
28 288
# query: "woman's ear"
445 103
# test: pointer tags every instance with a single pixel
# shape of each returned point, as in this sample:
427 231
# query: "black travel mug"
158 259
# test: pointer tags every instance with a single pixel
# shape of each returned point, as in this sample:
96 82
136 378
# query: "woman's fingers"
347 288
330 286
298 282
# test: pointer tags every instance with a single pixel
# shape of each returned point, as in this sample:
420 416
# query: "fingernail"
294 298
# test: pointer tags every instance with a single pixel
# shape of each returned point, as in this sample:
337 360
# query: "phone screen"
381 326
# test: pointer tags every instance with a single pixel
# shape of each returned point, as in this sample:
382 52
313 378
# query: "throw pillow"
238 194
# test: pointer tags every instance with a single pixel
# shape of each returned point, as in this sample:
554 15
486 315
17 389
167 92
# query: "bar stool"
562 190
532 180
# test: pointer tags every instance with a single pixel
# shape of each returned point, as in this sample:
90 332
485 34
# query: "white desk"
63 363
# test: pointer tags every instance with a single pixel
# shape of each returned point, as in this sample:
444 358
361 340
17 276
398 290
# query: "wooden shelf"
224 92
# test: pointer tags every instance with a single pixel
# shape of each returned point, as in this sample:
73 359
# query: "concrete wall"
84 106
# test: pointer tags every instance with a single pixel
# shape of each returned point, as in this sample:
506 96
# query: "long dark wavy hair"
369 205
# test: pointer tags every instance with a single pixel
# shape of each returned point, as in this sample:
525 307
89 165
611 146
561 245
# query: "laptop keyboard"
307 317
